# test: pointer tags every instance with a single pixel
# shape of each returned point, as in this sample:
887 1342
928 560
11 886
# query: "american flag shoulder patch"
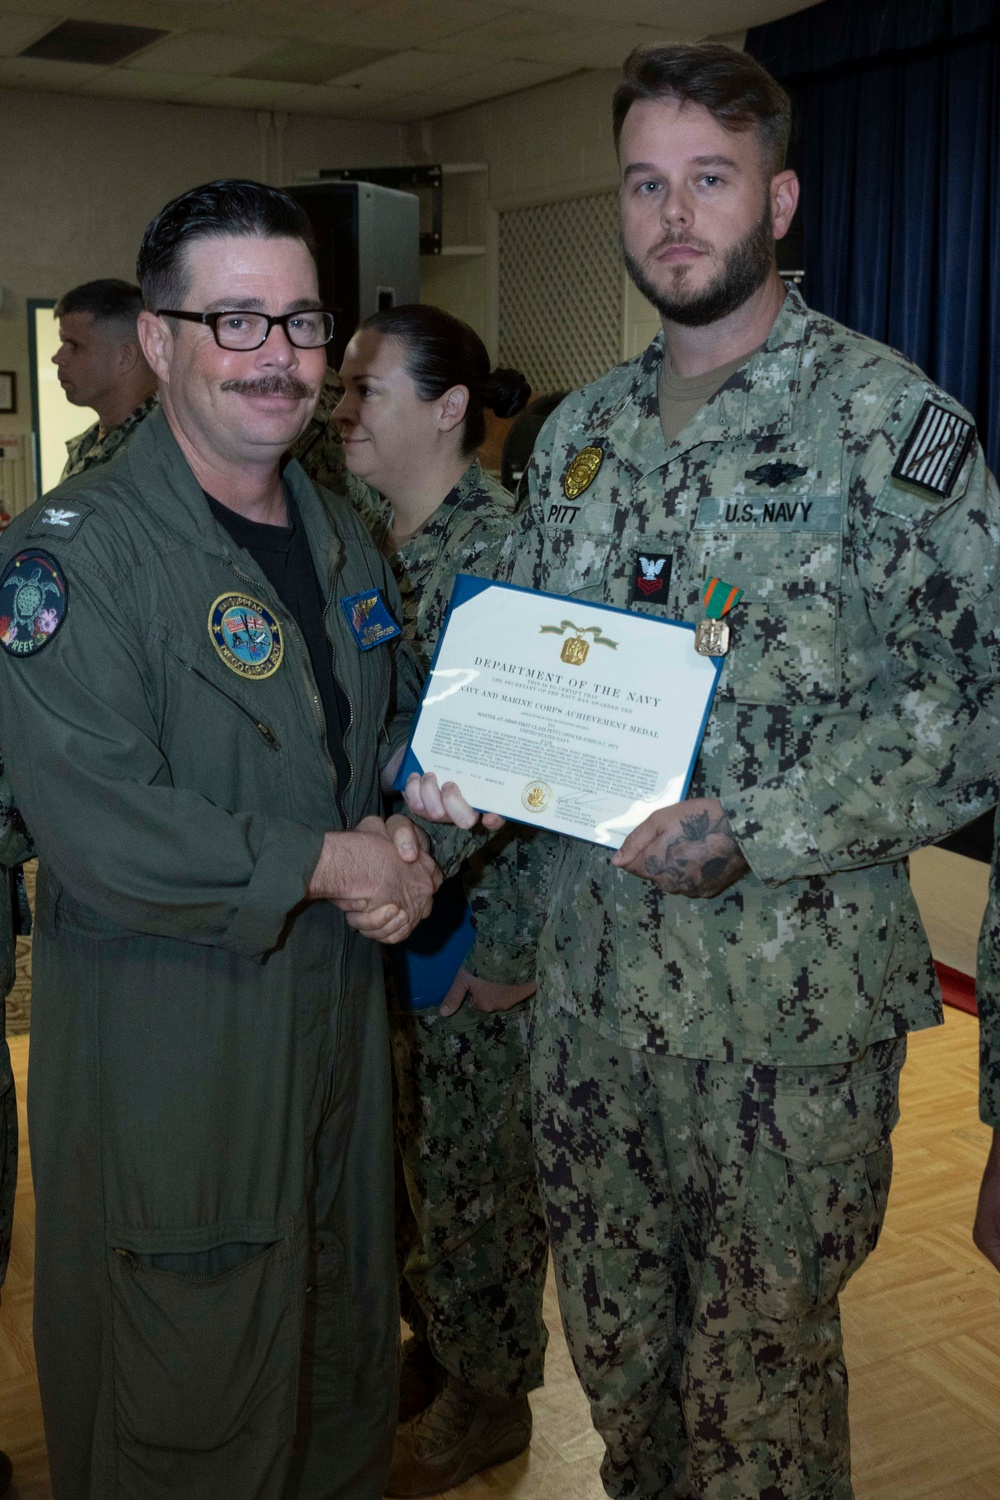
935 450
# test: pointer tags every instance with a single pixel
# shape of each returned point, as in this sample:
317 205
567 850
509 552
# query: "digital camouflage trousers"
704 1218
476 1252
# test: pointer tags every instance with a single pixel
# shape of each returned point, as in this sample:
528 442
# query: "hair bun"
506 392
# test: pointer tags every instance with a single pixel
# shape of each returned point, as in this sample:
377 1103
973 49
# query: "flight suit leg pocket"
205 1342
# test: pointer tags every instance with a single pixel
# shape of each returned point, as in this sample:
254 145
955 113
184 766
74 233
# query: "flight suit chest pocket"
785 646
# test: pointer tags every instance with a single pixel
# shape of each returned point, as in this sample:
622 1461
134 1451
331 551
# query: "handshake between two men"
383 876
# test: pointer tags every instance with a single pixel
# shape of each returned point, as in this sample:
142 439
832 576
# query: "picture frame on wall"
8 391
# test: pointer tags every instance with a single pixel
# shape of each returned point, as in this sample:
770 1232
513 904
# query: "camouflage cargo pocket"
820 1184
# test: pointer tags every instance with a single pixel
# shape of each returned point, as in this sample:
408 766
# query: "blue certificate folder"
467 588
425 965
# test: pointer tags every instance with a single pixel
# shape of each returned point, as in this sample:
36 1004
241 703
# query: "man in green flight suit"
202 681
723 1005
15 847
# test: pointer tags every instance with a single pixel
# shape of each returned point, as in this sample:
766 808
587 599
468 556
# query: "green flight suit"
476 1261
716 1080
15 846
210 1078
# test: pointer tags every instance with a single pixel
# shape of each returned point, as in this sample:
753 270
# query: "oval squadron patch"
33 598
582 471
246 635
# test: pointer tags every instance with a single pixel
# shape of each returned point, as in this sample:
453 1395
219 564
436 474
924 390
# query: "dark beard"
746 267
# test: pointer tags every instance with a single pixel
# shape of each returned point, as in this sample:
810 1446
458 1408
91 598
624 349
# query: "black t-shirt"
283 556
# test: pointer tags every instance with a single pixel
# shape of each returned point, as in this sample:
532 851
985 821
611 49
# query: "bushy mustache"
271 385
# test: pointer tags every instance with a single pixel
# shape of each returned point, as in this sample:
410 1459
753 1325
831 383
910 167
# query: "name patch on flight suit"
935 450
33 601
650 578
370 621
246 635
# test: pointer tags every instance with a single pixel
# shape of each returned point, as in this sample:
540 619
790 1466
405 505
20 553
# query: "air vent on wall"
92 42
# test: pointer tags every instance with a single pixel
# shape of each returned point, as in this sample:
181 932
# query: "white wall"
80 179
541 145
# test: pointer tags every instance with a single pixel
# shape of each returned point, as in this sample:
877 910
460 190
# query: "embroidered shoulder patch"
33 600
246 635
371 623
935 450
60 520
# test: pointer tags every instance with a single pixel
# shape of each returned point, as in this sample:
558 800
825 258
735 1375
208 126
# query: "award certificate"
575 717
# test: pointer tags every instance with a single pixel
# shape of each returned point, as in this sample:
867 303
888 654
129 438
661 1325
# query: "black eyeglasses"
308 329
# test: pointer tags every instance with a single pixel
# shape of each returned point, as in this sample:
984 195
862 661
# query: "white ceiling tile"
414 23
404 72
246 93
201 52
41 73
18 30
121 83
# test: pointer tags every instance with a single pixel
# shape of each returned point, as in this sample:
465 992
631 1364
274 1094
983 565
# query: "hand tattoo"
703 860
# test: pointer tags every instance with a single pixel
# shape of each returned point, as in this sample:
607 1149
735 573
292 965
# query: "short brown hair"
731 85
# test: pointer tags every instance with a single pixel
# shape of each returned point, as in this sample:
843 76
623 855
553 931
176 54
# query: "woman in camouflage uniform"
473 1250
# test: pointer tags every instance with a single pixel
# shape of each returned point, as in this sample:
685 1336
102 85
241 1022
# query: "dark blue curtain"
898 149
898 145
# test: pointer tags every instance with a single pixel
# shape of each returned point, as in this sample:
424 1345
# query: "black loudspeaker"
368 239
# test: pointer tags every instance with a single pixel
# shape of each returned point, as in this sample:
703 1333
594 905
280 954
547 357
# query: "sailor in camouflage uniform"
723 1005
474 1265
95 446
987 1227
101 365
320 449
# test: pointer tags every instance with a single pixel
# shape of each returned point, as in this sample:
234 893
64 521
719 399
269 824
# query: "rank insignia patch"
246 635
582 471
60 520
33 598
650 578
371 623
935 450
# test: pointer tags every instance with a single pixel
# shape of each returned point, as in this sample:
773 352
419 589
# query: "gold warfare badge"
536 796
582 471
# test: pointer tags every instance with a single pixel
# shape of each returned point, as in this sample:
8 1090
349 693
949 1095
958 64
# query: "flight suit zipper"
265 731
319 718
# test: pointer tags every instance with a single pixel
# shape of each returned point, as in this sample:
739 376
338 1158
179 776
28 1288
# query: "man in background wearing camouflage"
723 1005
986 1232
101 365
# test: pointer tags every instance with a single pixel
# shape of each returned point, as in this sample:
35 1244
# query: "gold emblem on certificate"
582 472
536 796
576 650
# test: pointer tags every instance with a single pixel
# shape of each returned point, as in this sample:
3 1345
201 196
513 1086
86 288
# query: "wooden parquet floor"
921 1321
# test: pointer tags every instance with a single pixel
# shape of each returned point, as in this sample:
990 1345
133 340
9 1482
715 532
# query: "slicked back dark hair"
731 85
111 302
231 206
441 352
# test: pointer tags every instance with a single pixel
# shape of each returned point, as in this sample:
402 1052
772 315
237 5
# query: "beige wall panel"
80 179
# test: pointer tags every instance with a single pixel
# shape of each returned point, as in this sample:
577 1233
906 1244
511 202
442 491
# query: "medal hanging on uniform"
711 638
